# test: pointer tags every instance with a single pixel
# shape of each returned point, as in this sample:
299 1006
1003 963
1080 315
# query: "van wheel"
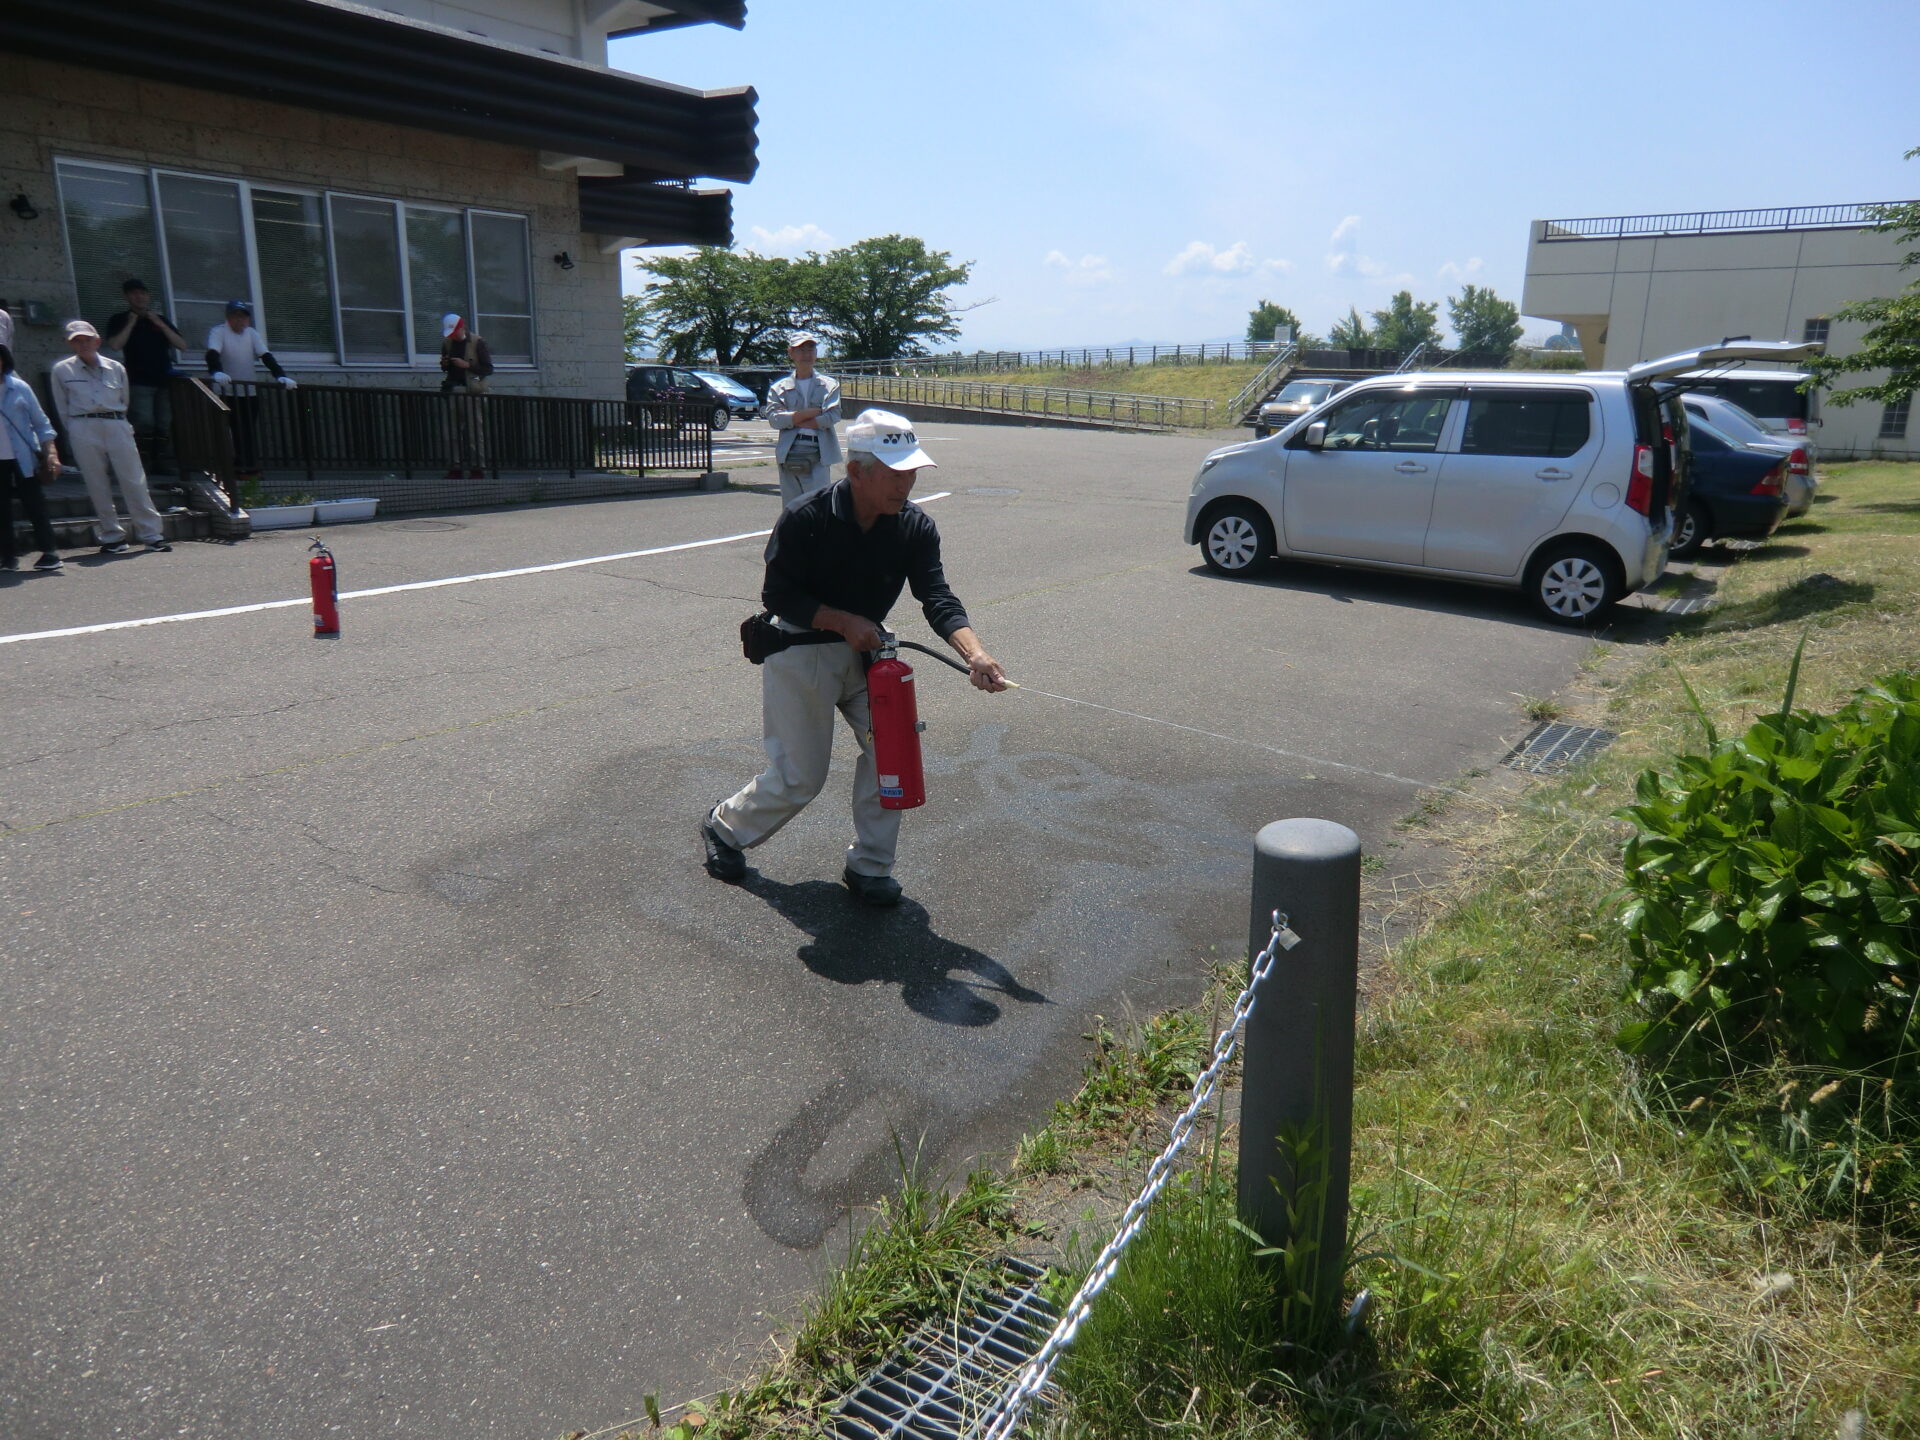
1237 539
1691 531
1574 584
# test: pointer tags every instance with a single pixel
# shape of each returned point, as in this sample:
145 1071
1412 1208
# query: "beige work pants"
801 688
100 446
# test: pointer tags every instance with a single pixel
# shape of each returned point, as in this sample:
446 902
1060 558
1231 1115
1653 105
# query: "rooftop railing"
1715 222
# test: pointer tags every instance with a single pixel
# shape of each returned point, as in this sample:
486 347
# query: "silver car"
1562 486
1738 425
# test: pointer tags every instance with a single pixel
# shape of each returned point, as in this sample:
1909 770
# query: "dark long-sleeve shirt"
818 555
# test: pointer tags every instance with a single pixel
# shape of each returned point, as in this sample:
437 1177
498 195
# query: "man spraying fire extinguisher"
836 564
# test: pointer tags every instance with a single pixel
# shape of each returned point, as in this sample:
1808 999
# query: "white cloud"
1458 272
1343 229
1337 262
1200 258
1086 271
791 239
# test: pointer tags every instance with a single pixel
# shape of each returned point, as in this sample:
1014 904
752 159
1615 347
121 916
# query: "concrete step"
75 532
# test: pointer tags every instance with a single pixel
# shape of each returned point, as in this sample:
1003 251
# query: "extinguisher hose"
946 660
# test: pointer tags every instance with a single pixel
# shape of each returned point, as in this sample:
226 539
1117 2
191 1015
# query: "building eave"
662 214
345 59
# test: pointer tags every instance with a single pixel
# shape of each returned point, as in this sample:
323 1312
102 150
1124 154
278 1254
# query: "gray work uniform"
786 395
92 401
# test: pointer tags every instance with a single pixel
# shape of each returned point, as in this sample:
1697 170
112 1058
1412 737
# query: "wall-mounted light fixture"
563 260
23 207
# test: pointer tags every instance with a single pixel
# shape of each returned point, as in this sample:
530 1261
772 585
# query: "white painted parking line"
411 585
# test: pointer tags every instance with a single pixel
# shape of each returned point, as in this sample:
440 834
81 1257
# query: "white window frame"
310 359
532 362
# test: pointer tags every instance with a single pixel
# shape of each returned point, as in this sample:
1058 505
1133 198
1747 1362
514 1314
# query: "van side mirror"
1316 436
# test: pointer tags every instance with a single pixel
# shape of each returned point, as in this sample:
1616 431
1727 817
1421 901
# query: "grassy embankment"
1555 1250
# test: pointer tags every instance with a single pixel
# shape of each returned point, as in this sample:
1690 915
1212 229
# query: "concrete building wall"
1636 298
63 111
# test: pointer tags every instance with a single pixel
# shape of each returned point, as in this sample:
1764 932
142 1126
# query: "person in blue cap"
236 351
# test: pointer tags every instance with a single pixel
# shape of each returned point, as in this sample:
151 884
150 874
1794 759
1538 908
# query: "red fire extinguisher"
326 590
895 726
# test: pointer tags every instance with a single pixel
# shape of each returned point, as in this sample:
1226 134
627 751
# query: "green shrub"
1774 913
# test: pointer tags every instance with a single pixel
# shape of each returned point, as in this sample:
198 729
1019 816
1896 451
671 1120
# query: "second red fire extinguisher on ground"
895 725
326 590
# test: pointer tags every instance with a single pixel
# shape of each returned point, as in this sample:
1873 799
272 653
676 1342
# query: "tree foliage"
1350 333
876 299
1892 340
1406 323
885 297
1484 325
1266 317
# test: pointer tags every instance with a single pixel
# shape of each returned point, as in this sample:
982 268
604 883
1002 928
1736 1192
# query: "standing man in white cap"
466 362
91 393
805 409
836 563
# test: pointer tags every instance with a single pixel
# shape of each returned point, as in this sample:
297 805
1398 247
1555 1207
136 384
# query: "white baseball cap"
802 337
449 322
76 328
888 438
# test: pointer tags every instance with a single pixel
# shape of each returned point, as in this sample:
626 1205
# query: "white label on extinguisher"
890 783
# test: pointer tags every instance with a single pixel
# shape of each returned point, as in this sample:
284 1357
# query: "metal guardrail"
1256 390
1085 357
425 448
1164 412
1709 222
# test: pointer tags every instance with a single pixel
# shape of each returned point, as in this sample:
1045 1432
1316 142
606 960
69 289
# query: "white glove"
289 382
220 377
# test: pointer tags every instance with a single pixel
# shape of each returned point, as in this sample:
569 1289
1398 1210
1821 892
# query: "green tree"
885 297
1484 325
730 306
1892 340
1351 333
1266 317
1406 323
633 326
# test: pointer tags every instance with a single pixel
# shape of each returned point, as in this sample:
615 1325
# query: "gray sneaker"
117 547
49 561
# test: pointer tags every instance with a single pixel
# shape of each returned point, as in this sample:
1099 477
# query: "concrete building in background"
1634 287
354 173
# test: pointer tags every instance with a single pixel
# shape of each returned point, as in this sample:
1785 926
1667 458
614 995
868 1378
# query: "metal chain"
1003 1417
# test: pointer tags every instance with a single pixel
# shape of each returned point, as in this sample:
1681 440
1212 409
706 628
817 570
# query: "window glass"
436 273
1816 331
1544 424
1893 419
366 257
206 251
1388 420
1776 401
296 297
109 216
686 380
502 286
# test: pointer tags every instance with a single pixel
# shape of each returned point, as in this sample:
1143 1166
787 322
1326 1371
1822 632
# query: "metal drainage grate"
940 1383
1552 749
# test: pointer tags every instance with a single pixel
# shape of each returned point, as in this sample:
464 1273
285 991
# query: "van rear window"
1775 400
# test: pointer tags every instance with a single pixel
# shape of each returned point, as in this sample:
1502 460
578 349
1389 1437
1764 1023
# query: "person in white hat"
804 409
91 391
836 563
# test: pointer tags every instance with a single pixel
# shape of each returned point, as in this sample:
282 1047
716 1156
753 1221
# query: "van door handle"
1551 473
1411 467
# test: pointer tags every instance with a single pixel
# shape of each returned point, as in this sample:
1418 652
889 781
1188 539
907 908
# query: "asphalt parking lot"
379 1059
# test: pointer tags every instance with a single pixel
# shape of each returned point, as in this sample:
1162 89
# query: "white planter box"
281 517
334 512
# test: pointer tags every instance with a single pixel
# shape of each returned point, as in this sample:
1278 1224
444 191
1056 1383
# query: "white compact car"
1560 485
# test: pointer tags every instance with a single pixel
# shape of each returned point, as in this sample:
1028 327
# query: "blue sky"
1148 171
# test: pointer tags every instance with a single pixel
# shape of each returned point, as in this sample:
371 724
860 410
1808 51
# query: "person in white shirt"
91 391
235 351
803 409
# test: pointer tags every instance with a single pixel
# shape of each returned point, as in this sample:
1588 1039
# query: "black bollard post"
1296 1100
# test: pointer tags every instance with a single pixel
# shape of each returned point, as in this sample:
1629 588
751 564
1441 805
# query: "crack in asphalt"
168 725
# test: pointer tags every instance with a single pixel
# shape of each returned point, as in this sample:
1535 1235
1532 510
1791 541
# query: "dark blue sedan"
1737 492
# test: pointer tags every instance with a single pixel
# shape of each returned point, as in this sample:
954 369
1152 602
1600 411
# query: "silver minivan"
1560 485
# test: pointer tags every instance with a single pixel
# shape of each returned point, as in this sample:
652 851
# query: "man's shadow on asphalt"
853 944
